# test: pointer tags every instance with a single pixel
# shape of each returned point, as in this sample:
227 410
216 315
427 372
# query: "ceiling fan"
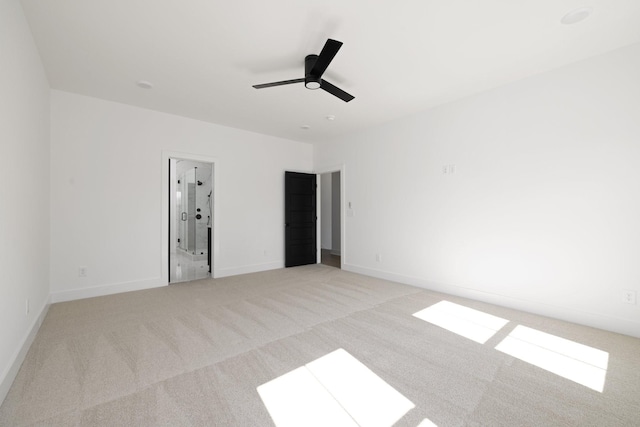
314 68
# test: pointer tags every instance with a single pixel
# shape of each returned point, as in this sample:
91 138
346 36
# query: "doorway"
190 219
330 219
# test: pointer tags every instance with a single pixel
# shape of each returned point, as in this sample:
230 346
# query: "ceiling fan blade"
336 91
284 82
331 47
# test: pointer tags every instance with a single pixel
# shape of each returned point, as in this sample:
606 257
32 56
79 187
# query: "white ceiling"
398 57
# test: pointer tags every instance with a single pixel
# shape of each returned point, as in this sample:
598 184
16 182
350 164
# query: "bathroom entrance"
190 220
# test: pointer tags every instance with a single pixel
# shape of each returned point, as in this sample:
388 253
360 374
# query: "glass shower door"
186 198
191 217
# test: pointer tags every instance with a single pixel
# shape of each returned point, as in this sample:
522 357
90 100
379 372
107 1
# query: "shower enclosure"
191 195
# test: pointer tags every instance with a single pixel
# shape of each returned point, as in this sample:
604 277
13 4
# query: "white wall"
101 221
335 213
543 212
326 216
24 205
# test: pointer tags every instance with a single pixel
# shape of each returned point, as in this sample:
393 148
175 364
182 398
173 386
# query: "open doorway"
190 219
330 219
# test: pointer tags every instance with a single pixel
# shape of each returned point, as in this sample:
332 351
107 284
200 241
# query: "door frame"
165 216
343 226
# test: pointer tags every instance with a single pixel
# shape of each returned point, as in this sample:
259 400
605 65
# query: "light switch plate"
630 297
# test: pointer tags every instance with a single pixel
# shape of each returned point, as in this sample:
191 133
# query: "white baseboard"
9 375
245 269
138 285
595 320
98 291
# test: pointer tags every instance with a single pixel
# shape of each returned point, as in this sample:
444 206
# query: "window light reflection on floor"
334 390
467 322
576 362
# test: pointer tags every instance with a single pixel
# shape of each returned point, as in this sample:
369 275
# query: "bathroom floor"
184 269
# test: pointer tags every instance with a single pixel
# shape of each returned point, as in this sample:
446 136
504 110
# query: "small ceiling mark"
144 84
576 15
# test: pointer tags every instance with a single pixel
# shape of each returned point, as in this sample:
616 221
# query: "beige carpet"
195 354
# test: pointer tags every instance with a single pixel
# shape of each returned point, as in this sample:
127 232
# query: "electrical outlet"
448 169
378 258
27 307
82 272
630 297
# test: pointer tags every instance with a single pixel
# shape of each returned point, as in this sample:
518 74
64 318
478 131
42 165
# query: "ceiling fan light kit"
314 68
310 81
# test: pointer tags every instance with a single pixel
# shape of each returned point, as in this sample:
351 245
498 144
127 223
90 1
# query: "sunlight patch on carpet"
464 321
334 390
576 362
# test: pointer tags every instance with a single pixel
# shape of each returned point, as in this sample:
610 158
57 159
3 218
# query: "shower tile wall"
202 202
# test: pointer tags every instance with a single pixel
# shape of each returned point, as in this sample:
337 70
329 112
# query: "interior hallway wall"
326 213
335 213
542 212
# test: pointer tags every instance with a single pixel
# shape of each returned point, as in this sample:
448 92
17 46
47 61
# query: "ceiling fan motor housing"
310 81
